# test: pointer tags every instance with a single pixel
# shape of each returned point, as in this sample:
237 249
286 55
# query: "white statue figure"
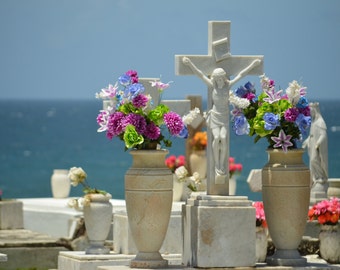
317 146
218 115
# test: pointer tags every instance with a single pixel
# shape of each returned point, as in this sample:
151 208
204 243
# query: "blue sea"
40 136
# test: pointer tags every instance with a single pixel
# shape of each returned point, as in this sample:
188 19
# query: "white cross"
219 56
181 107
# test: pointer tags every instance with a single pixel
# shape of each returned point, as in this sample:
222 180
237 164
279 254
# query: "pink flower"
173 122
152 131
115 124
140 101
138 121
291 114
282 140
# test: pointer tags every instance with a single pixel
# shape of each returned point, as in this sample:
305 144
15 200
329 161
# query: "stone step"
27 249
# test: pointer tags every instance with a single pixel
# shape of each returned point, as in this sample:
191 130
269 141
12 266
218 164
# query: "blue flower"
124 79
303 123
241 125
241 91
302 103
271 121
183 134
135 89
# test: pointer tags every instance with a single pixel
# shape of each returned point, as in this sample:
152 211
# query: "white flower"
295 91
196 178
238 102
191 116
77 175
181 172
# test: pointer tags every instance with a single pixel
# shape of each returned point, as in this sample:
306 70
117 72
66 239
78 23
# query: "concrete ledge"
313 263
27 249
78 260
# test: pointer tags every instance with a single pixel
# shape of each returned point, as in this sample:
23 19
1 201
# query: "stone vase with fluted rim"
286 195
98 221
330 243
148 196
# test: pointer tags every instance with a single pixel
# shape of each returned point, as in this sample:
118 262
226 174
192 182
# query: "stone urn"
98 221
330 243
60 183
198 162
286 195
148 196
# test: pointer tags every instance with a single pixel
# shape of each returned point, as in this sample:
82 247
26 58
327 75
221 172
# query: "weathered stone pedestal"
11 215
218 231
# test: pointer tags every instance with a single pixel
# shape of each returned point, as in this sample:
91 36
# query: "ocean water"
39 136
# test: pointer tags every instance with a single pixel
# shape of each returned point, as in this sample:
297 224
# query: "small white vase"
330 243
60 184
198 162
232 185
98 220
261 243
178 190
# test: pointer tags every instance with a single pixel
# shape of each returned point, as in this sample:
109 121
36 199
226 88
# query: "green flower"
156 115
131 137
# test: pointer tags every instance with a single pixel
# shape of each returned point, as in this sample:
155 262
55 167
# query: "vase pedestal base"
148 260
286 257
218 231
97 249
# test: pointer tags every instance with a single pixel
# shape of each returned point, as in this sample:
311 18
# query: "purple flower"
272 95
173 122
241 125
140 101
115 124
291 114
271 121
133 74
282 140
137 121
152 131
303 123
102 120
305 111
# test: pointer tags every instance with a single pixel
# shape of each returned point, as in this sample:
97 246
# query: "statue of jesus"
218 115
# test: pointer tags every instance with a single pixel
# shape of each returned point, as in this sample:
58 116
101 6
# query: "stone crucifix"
214 69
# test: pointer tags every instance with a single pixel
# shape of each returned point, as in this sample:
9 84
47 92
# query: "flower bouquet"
133 117
280 118
173 162
78 176
199 141
260 215
326 212
234 167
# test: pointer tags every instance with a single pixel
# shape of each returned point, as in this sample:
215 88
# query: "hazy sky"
70 49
